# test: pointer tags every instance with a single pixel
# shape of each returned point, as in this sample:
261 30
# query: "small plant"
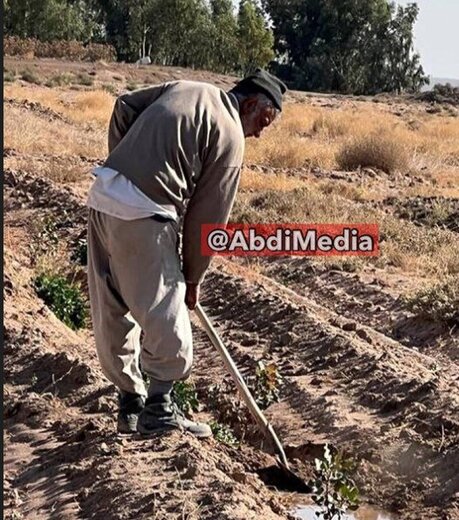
438 302
80 251
223 434
266 384
131 86
65 299
60 80
185 396
333 489
46 238
228 408
111 89
30 76
84 79
9 76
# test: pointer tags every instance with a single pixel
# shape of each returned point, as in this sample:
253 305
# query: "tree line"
350 46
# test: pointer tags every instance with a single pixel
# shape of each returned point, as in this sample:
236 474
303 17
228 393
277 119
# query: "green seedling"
65 299
333 489
80 252
185 396
223 434
266 384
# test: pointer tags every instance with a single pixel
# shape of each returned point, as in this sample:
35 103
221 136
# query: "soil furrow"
345 382
371 383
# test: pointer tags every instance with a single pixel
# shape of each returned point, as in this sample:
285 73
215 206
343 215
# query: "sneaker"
162 414
130 407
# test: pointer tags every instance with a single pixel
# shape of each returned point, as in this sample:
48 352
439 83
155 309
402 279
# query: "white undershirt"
114 194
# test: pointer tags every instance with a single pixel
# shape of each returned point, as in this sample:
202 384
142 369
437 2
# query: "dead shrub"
331 125
437 302
30 76
9 76
374 151
60 80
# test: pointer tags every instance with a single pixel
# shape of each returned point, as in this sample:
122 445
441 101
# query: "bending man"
175 151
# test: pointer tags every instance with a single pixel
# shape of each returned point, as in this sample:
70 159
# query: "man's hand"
191 295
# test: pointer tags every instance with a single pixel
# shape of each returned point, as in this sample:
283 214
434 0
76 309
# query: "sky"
436 36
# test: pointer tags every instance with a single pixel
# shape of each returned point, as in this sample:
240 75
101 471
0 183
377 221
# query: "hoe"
292 480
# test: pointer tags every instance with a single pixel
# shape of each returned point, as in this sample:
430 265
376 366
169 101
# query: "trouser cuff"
159 387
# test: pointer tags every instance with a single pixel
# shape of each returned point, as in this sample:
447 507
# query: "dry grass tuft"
375 151
331 125
361 135
438 301
345 190
65 169
26 131
256 181
417 249
95 106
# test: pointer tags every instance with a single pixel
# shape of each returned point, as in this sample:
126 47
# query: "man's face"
257 113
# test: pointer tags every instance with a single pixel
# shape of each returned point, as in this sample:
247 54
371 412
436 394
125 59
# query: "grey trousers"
135 283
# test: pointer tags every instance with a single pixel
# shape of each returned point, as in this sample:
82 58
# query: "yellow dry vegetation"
29 132
308 136
93 106
304 137
419 250
252 180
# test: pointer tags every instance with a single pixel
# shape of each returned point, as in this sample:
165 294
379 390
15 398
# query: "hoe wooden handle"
261 420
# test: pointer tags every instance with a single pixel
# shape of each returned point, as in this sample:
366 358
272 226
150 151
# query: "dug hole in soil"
345 383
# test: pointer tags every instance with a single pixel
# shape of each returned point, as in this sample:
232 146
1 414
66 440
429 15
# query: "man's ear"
248 105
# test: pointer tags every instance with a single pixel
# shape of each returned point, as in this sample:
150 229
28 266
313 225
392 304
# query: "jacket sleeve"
128 108
211 202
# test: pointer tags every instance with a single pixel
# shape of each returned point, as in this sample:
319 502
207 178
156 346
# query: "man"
175 151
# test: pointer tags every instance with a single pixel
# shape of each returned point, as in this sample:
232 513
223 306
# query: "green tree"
114 15
182 32
256 41
403 69
139 27
354 46
50 19
224 43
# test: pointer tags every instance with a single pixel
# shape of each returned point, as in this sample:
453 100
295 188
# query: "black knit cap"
262 81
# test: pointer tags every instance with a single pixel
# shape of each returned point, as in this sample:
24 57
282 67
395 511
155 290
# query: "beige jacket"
177 142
